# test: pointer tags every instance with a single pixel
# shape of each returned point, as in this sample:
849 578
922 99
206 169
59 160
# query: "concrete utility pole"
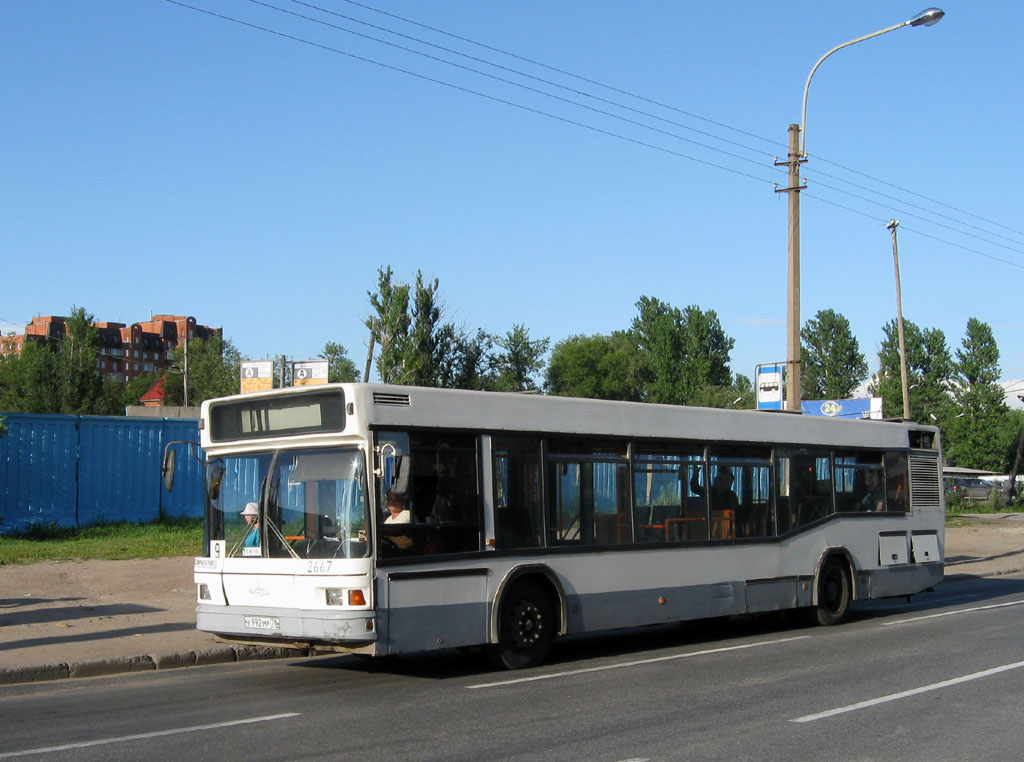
184 372
893 224
798 154
793 371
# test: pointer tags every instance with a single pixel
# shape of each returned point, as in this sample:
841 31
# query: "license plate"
263 623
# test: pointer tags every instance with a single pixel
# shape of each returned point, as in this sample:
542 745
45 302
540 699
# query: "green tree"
519 361
339 367
470 363
418 346
59 376
981 432
598 367
831 363
929 370
389 327
682 352
81 385
214 370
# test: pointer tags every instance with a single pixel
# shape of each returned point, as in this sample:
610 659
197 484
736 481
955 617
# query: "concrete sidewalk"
88 618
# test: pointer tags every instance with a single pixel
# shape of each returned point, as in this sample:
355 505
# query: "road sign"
769 380
257 376
309 373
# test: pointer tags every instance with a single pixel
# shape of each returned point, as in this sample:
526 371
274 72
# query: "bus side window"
804 479
519 507
896 483
443 486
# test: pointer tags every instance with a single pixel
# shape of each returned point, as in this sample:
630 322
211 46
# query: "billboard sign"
257 376
309 373
865 407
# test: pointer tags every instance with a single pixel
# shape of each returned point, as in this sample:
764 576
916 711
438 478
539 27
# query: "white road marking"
141 736
636 663
907 694
951 613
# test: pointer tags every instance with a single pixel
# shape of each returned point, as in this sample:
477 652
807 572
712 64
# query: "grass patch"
111 541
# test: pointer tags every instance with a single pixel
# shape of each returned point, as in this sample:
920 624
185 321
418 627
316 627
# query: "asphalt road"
937 679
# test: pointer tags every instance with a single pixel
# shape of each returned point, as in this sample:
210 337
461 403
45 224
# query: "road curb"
144 663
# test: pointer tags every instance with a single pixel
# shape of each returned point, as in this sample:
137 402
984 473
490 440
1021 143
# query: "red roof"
155 395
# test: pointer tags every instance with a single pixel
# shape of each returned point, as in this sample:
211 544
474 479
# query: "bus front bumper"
347 631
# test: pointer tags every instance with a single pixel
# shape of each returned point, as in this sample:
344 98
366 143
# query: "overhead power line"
508 69
468 90
876 197
660 104
563 72
520 85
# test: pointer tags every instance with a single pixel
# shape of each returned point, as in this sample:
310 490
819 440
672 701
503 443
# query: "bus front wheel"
834 594
526 627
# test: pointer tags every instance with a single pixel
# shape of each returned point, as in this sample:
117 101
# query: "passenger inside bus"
397 512
873 498
251 514
722 496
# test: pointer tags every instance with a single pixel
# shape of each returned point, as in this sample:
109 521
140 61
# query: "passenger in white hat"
251 514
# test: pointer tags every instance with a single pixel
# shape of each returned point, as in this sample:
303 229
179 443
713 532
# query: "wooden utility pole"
369 351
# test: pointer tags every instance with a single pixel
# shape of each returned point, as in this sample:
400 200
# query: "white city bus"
529 517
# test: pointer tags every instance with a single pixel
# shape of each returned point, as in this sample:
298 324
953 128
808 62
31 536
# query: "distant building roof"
155 396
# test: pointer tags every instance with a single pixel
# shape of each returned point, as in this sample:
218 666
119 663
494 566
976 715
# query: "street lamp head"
929 17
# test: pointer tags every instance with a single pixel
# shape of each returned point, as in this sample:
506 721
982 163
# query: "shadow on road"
93 636
467 662
65 614
457 663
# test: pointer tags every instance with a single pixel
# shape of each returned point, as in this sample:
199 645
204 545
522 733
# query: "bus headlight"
204 591
340 596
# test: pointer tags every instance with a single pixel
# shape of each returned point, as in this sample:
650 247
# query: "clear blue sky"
157 159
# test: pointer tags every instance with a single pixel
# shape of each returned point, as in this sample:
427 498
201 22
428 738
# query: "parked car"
969 488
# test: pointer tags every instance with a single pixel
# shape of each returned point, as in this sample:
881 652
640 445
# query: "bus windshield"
315 505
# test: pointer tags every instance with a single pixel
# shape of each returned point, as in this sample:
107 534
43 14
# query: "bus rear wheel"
526 627
834 594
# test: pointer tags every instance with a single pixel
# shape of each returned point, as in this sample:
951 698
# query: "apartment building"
124 351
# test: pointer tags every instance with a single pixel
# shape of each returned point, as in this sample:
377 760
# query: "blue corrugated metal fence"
77 470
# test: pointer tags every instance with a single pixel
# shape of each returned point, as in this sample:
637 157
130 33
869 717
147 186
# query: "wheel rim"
527 624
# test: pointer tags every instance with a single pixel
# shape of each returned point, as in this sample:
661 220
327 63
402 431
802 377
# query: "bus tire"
834 594
526 627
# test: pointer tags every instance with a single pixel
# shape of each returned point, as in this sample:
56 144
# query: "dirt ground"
988 545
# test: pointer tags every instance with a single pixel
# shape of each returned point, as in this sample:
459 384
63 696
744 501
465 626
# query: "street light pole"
893 224
797 155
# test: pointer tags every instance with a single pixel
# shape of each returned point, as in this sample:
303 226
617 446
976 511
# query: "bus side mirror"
400 480
215 478
171 458
167 469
